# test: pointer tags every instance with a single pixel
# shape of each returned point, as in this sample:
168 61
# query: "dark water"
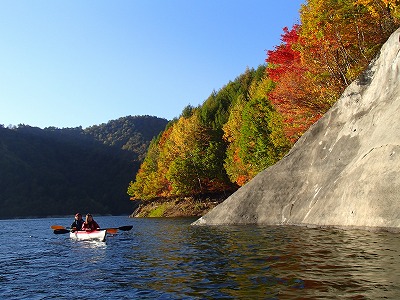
168 259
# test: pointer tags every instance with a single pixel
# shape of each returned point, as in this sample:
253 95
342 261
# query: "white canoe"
89 235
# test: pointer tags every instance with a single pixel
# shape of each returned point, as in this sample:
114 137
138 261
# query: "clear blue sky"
70 63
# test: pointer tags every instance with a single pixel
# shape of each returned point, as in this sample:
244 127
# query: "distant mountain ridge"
130 133
56 171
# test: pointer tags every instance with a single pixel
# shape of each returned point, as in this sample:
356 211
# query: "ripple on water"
169 259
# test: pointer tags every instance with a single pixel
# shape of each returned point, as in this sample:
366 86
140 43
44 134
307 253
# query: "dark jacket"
77 224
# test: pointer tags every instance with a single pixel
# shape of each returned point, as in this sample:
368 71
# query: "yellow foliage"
379 7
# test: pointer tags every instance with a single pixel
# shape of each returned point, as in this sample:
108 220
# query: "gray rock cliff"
344 171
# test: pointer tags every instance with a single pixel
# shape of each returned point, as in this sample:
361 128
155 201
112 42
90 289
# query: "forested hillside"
128 133
55 171
253 121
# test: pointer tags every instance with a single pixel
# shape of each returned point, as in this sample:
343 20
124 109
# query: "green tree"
254 133
148 184
262 141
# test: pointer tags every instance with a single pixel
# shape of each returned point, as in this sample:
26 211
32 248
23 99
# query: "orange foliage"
317 60
292 96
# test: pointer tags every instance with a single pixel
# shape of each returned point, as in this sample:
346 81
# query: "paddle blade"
61 231
56 227
112 230
125 228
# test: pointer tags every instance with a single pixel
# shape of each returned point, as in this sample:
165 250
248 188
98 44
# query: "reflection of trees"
249 262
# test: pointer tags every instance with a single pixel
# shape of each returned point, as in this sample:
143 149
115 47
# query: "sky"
71 63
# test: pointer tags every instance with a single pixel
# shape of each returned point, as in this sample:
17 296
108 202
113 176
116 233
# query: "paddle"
61 231
58 229
123 228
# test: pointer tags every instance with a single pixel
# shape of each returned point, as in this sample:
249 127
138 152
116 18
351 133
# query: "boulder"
344 171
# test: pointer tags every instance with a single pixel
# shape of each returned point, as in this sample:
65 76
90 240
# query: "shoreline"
190 206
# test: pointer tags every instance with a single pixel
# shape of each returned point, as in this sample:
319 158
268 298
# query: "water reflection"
342 262
269 262
169 259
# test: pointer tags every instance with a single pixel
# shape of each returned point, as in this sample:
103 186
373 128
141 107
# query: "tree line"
254 120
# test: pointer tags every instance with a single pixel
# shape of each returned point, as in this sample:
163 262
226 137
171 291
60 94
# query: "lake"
169 259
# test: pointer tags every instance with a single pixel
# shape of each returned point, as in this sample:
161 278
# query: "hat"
78 214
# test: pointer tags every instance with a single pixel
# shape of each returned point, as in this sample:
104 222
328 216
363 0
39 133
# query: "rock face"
344 171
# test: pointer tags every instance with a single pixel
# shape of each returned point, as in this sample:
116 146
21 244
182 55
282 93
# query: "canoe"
89 235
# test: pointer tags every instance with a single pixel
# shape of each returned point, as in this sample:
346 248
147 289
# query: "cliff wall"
344 171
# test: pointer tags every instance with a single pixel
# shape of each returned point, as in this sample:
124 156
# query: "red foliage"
284 58
291 96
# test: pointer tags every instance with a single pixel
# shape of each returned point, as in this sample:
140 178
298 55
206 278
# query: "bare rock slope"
344 171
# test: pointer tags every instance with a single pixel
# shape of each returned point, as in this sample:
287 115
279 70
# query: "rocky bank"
344 171
194 206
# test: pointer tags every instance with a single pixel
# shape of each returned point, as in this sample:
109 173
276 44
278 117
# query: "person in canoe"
90 224
78 222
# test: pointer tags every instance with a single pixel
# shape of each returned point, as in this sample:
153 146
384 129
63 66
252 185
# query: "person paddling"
90 224
78 222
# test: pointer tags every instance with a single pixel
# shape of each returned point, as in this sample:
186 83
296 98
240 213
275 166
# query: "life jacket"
90 226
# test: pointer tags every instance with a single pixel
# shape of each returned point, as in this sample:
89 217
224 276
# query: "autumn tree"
262 141
236 169
254 132
318 59
150 181
251 122
340 38
184 147
293 94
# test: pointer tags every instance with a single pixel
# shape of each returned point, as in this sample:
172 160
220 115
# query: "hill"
56 171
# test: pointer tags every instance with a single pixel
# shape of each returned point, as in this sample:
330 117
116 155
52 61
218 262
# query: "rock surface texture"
344 171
